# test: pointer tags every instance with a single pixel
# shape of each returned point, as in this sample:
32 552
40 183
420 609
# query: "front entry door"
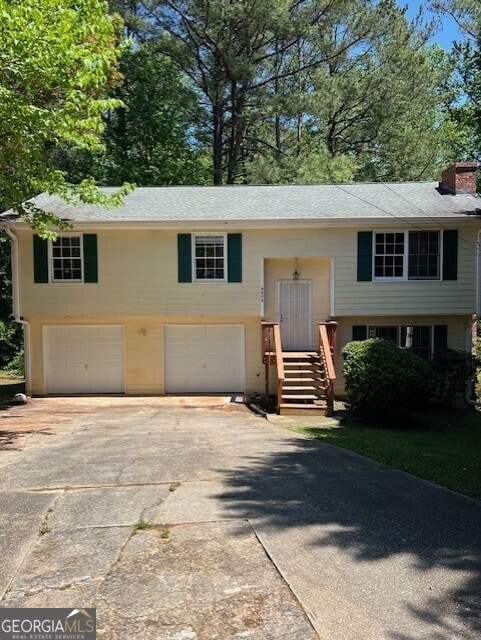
295 314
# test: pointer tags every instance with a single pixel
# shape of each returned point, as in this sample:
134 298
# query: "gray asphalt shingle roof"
271 203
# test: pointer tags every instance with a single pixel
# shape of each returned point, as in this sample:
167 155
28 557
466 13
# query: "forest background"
226 92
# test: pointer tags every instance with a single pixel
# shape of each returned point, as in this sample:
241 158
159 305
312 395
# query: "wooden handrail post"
272 354
333 338
279 363
266 347
327 351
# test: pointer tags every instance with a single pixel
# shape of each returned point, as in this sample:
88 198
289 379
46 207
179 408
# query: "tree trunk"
237 131
218 122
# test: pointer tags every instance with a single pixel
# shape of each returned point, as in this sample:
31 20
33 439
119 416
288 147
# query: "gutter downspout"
468 393
16 309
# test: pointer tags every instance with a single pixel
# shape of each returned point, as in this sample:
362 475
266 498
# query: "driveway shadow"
371 513
10 440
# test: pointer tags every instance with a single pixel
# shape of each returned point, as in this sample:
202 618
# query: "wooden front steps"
304 384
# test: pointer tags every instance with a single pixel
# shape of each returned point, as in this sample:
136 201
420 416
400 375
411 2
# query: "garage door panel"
196 352
84 359
58 351
74 350
204 358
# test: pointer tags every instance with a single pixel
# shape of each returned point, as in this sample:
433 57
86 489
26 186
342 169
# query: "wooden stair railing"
272 354
327 353
299 387
279 363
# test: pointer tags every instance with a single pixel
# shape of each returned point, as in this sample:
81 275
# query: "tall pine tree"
307 91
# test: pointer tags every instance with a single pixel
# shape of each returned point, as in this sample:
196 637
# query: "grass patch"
444 447
162 529
141 524
9 386
10 378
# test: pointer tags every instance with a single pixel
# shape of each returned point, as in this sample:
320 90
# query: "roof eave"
463 219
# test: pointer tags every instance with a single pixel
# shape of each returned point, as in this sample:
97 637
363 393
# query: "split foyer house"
213 289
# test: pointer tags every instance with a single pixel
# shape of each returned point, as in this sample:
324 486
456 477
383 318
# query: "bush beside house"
451 371
385 382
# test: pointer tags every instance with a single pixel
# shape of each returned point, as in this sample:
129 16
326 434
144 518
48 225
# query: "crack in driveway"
374 555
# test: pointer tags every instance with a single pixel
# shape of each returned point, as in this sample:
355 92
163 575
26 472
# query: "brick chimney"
460 178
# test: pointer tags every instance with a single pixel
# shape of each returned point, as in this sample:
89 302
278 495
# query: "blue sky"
448 30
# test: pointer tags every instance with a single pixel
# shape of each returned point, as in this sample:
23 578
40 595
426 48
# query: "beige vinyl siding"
410 297
144 366
137 273
138 276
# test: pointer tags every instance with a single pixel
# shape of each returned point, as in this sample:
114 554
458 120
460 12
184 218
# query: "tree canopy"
305 91
463 106
58 60
151 138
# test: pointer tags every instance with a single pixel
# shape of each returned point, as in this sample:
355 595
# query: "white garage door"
84 359
204 358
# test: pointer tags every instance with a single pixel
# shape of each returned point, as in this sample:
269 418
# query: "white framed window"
424 255
385 332
389 255
66 258
209 255
406 255
422 337
422 340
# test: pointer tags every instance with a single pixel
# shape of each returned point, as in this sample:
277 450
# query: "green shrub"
16 367
384 382
11 340
451 372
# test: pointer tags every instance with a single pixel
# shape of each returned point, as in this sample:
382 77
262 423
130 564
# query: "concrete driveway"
253 532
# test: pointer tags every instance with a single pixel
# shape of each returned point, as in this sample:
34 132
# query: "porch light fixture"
296 274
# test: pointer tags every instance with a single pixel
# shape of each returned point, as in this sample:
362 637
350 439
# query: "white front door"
295 314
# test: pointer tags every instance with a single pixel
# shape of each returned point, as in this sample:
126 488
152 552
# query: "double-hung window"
425 340
407 255
383 332
210 257
389 255
424 255
422 337
421 340
71 258
66 259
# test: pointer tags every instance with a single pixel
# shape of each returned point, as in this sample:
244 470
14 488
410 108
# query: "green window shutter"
440 338
234 257
450 254
184 257
359 332
40 259
90 257
364 256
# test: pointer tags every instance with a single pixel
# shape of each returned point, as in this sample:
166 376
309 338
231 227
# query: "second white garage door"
84 359
204 358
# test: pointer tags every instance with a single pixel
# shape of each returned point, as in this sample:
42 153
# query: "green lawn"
444 448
